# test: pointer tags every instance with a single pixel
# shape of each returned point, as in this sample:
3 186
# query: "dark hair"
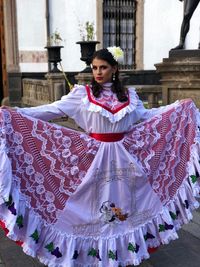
117 87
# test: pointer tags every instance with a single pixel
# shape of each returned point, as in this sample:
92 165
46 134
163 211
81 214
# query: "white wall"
66 15
162 21
31 24
162 24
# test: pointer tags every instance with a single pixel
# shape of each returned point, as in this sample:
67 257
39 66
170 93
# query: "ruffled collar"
108 105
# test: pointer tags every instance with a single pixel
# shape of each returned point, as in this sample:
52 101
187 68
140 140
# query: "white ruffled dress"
71 200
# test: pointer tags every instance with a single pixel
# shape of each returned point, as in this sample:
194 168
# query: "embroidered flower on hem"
186 204
173 215
112 255
133 247
11 205
193 178
94 253
148 236
55 252
19 221
76 254
163 227
35 236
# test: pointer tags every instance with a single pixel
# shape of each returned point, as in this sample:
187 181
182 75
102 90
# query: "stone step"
194 226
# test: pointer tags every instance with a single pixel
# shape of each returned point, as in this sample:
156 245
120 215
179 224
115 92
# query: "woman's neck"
107 86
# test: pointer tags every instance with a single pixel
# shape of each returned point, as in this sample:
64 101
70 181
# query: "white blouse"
92 117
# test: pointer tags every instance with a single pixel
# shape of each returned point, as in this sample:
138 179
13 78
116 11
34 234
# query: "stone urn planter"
53 53
87 50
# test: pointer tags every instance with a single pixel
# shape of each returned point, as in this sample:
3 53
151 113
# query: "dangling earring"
113 77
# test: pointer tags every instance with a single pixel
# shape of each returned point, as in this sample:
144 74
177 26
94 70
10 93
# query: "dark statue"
189 8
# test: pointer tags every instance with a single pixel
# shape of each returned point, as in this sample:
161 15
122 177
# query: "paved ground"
183 252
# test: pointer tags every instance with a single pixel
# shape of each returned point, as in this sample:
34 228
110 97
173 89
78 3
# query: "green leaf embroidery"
161 228
35 236
131 247
19 221
173 215
50 247
92 252
111 255
193 178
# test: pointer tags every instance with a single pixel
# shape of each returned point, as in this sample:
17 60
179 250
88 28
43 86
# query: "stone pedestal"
84 78
180 76
57 85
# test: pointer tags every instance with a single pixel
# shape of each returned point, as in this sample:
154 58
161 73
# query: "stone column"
180 76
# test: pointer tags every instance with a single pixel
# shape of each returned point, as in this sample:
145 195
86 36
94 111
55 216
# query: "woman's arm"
68 105
144 113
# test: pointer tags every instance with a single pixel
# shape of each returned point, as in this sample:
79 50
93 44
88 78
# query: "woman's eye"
94 68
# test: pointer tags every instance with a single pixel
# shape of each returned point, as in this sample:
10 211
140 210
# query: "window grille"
119 28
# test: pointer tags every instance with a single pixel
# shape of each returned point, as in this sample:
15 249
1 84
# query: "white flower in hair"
117 53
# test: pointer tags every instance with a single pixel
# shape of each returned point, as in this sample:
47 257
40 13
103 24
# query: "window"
119 28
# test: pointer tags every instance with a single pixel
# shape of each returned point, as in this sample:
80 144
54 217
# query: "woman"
104 197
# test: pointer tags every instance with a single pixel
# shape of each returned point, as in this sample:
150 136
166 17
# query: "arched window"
119 28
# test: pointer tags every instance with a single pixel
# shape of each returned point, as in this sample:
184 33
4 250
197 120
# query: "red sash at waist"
107 137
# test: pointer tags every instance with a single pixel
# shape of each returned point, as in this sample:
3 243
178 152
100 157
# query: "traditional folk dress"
102 197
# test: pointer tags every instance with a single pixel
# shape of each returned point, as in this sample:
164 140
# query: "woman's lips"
99 78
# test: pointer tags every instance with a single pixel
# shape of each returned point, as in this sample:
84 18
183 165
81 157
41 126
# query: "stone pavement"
183 252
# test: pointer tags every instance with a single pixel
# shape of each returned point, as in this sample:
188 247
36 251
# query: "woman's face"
102 71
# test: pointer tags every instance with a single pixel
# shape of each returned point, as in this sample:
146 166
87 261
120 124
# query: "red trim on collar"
103 106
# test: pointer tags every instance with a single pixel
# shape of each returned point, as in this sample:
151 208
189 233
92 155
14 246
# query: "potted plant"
88 44
53 49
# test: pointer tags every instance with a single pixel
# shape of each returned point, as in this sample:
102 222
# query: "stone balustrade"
35 92
150 94
38 92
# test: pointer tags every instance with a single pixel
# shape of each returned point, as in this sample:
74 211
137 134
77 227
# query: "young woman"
107 196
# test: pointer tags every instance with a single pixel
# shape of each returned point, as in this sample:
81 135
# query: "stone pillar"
180 76
57 85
